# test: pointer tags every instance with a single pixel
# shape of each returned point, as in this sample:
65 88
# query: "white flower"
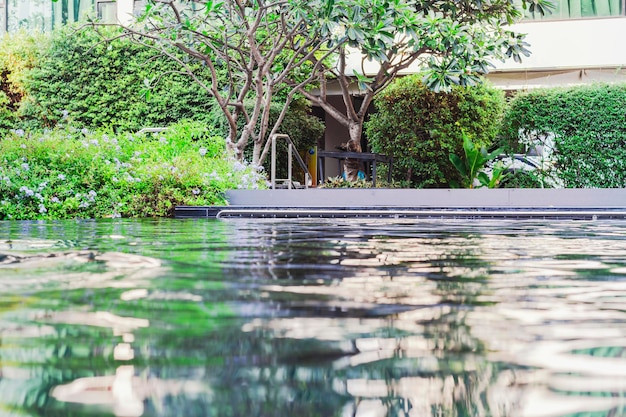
25 166
61 177
116 215
195 191
42 209
55 200
203 151
27 191
238 166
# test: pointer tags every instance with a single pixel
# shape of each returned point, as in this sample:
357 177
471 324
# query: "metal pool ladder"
290 148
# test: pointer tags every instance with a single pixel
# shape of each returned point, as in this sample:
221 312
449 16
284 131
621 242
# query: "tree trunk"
355 130
256 152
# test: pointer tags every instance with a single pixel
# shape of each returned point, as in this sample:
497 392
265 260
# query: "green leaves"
585 125
473 162
420 128
74 173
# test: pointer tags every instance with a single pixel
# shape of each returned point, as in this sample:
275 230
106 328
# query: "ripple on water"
316 317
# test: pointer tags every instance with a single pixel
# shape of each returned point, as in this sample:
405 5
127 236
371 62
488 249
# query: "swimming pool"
315 317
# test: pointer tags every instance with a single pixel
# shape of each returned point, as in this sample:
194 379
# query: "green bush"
71 173
421 128
18 54
587 125
522 179
101 84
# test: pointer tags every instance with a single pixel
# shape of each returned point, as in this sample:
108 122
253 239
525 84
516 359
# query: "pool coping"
565 203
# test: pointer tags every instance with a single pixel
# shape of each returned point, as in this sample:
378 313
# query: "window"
29 14
44 15
578 9
106 11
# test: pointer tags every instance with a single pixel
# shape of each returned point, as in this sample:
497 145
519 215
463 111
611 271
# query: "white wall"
558 46
572 44
125 11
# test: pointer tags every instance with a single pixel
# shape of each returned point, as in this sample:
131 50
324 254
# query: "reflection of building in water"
123 392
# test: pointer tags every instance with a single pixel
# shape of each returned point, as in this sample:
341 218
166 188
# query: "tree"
255 52
453 41
260 49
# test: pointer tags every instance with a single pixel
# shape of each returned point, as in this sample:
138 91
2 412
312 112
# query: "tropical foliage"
472 163
269 48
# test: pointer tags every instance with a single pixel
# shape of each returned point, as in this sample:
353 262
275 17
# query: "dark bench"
365 157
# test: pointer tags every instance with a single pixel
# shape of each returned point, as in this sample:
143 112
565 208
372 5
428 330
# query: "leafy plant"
586 126
101 85
18 54
74 173
472 163
498 175
420 128
340 182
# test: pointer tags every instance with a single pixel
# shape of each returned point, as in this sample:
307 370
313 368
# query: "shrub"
101 84
71 173
18 54
421 128
587 125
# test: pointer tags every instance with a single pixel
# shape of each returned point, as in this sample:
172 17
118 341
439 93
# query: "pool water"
313 318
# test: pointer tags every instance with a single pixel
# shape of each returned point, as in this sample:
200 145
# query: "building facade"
45 15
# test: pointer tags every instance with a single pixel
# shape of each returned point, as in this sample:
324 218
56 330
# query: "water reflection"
307 318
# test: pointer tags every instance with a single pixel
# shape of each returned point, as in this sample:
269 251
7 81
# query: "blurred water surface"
313 318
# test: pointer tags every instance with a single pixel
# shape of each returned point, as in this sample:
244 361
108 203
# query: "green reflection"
203 318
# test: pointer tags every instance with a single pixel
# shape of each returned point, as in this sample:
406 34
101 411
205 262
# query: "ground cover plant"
74 173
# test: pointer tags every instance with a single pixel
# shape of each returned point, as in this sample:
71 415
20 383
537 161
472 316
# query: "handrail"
290 149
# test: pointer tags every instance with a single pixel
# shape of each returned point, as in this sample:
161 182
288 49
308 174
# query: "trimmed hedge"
101 84
421 128
588 124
